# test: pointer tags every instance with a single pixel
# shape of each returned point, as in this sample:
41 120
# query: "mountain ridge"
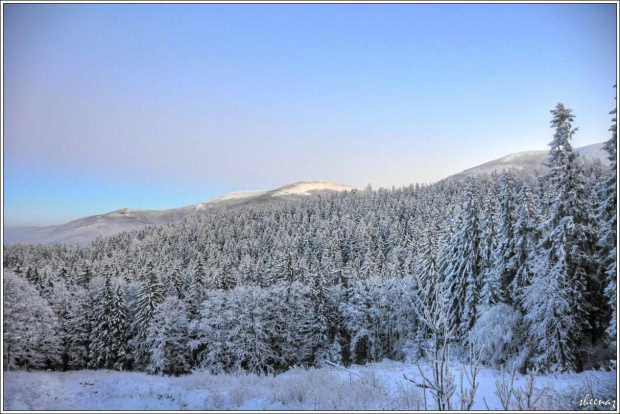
531 162
84 230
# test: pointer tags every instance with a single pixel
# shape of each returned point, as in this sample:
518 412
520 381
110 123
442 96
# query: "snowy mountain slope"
531 162
86 229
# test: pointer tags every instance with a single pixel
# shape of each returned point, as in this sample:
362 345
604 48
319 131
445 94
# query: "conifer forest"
519 270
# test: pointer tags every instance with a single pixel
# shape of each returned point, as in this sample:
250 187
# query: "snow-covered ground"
379 386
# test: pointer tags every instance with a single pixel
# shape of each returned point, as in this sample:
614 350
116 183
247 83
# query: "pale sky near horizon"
165 105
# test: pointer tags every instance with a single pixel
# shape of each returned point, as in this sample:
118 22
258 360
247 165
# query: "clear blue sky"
161 106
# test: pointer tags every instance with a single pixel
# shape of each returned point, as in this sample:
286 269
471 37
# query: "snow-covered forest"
501 269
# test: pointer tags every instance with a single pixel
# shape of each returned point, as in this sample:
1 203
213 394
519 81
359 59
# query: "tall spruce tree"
150 295
321 325
526 236
566 247
461 263
607 232
505 254
79 325
119 330
101 353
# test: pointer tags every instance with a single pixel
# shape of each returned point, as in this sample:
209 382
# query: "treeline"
526 273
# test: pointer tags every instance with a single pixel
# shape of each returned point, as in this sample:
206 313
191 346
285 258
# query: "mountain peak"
310 187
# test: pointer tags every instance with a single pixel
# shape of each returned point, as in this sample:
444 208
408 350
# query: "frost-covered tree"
292 322
320 325
490 235
548 303
167 339
119 330
566 249
30 327
209 344
149 296
607 233
59 300
101 353
84 274
505 260
173 284
526 236
78 325
252 329
497 334
461 264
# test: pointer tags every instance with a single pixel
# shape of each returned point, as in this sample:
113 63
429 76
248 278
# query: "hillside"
86 229
531 163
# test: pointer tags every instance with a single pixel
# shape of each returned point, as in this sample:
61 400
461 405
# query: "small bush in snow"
496 334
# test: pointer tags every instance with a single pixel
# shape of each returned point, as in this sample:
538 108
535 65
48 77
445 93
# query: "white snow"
231 196
306 188
379 386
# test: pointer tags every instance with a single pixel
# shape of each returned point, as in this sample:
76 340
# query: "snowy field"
379 386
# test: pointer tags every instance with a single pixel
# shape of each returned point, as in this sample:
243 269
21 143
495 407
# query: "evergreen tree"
505 255
84 274
568 240
607 232
119 330
321 324
461 264
491 292
526 236
78 324
549 315
101 352
150 295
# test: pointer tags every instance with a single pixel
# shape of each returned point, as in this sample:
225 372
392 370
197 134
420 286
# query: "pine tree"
526 237
320 326
101 353
461 264
84 274
568 240
293 322
79 326
549 315
607 233
150 295
504 256
426 270
357 322
252 318
490 235
173 284
119 330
